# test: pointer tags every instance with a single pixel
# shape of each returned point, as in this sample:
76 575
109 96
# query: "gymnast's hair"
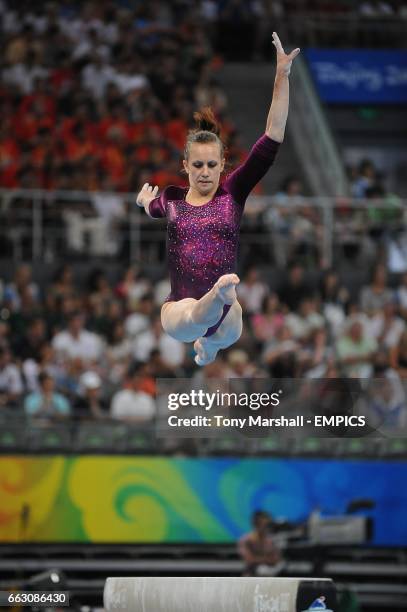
207 130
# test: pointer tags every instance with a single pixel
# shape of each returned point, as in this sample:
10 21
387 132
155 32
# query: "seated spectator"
386 326
75 341
172 351
387 405
282 354
118 353
21 282
90 404
132 404
251 292
132 286
28 346
295 288
335 298
11 383
239 365
306 320
356 349
398 356
401 296
374 296
266 323
258 549
46 404
139 319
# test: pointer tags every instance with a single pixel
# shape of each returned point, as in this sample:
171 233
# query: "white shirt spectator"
133 405
301 327
252 296
10 380
393 332
172 351
130 82
95 78
87 345
136 323
24 76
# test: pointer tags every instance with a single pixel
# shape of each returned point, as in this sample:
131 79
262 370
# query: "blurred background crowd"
98 97
94 349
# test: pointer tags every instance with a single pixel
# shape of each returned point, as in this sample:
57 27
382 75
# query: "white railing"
44 225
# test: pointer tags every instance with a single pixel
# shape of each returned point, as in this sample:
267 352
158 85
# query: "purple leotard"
202 241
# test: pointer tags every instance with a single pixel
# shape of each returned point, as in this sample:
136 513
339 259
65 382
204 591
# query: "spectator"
356 349
239 365
266 323
46 404
374 296
22 283
132 404
335 298
90 404
306 320
251 292
11 384
401 296
294 289
386 327
282 354
386 396
172 351
398 356
139 321
75 341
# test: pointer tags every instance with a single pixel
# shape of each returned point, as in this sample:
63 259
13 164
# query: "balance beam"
154 594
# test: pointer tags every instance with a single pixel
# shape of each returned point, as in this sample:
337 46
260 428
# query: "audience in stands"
46 405
134 403
94 97
85 337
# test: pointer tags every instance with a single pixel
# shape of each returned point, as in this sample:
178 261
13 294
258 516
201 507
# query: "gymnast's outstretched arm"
277 116
242 180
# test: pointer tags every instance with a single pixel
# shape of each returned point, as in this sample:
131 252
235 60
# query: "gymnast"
203 225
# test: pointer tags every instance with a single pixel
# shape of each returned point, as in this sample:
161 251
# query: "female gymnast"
204 223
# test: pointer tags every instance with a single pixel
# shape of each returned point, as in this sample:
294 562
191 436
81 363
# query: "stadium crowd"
96 350
99 96
94 96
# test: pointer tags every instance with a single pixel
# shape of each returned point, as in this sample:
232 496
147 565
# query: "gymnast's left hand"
284 60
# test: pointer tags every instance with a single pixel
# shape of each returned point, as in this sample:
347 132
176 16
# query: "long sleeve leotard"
202 241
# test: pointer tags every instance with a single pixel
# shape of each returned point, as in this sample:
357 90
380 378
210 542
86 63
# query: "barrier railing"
50 225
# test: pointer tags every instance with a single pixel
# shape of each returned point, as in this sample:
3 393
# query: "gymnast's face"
204 166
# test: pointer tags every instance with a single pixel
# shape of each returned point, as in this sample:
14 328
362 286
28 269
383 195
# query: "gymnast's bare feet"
205 352
225 288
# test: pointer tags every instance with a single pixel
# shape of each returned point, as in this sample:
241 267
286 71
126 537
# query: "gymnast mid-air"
204 225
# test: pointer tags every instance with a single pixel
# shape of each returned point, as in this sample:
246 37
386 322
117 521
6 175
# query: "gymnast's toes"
226 287
202 356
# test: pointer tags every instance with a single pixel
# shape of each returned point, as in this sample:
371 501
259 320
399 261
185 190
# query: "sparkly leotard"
202 241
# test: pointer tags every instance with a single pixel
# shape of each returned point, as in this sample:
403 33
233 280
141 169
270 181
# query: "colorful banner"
356 76
104 499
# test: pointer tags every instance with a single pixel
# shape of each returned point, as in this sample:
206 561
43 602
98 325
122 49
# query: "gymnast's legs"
189 319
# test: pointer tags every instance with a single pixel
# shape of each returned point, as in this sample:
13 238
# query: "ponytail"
207 130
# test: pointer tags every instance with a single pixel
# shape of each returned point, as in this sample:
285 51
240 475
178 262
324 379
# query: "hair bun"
205 121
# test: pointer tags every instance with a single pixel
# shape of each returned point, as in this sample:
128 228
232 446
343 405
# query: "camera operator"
257 548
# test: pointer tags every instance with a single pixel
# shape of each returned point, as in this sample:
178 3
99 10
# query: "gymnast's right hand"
146 194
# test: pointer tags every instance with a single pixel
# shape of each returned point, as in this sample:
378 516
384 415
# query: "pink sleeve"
157 207
242 180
